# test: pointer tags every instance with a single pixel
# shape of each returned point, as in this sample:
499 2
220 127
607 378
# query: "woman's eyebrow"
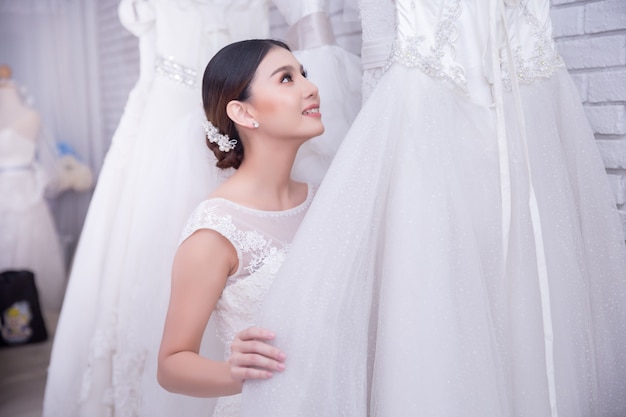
285 68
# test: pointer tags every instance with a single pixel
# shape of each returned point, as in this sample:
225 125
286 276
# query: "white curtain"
49 45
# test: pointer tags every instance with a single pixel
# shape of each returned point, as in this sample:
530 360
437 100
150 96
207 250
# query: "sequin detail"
175 71
541 62
408 51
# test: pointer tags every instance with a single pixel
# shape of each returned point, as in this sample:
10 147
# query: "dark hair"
227 77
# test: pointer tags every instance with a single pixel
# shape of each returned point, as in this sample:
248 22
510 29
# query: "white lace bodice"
261 239
446 39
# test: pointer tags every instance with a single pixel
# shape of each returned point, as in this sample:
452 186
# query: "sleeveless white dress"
28 236
261 239
463 255
104 354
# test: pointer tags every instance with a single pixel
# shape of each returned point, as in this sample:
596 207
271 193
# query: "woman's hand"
252 357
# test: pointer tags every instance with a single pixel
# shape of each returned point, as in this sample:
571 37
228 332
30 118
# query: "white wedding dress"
28 236
463 255
103 361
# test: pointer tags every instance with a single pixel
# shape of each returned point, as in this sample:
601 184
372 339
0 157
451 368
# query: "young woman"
260 109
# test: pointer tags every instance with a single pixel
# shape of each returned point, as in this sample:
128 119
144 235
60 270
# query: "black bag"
21 321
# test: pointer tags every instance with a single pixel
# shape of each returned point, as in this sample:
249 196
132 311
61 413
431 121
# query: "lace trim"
102 347
121 397
248 242
407 51
240 301
543 60
127 375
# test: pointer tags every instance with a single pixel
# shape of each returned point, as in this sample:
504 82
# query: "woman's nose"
311 89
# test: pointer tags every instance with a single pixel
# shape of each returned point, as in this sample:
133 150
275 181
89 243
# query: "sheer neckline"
290 211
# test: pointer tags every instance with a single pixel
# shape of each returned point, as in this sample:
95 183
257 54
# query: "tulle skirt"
412 289
92 287
181 174
28 236
95 370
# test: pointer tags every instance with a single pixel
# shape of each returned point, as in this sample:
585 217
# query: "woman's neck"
264 179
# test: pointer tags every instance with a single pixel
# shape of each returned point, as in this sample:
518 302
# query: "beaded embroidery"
175 71
407 51
543 60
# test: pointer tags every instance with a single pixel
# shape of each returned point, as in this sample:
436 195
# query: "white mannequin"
14 113
30 239
63 174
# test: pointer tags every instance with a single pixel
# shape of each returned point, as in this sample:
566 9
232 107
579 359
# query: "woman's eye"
287 78
305 73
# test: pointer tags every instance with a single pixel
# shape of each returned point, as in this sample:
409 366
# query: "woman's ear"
238 113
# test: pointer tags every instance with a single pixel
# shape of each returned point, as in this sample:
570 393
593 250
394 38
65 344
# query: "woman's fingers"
241 374
255 333
258 347
255 360
252 340
253 366
252 358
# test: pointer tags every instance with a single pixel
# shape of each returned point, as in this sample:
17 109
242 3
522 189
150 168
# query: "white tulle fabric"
104 355
28 236
398 296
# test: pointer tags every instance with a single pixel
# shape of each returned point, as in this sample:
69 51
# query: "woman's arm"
201 267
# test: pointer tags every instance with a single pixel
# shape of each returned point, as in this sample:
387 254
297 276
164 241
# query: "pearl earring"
255 124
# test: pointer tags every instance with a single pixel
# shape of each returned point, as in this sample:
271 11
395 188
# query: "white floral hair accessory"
213 134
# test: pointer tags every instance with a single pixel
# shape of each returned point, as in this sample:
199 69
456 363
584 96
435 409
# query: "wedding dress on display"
336 73
463 255
104 355
73 338
28 236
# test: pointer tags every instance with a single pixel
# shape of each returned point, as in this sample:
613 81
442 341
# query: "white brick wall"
591 37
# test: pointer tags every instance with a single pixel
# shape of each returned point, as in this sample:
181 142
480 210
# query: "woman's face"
284 102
